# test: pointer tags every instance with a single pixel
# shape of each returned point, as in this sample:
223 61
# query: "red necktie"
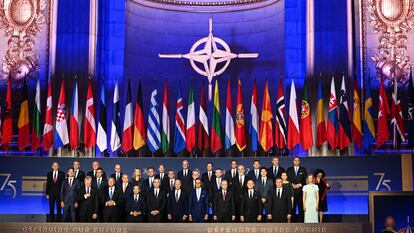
224 196
54 177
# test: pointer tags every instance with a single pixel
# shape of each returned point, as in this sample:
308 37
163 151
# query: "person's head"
125 178
150 172
224 184
136 189
319 174
76 165
55 166
233 164
88 181
278 182
296 161
117 168
111 182
284 176
137 173
177 184
198 183
171 174
389 222
275 161
250 184
157 183
99 172
309 180
240 170
195 174
209 166
185 164
256 164
218 173
263 172
71 172
161 168
95 165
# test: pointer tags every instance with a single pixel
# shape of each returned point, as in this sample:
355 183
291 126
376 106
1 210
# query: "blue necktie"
110 193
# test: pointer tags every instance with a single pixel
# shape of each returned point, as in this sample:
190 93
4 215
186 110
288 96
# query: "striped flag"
7 129
47 140
230 139
266 127
332 129
23 122
128 118
216 124
190 127
139 124
397 120
383 112
356 116
179 135
36 128
320 117
254 122
89 132
74 119
153 130
293 122
280 127
165 135
101 140
369 128
203 132
344 122
240 132
61 133
410 103
116 121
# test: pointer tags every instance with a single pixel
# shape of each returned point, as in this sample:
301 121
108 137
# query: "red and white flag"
47 140
293 123
89 133
397 120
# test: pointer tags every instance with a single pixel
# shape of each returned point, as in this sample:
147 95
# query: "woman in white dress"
310 200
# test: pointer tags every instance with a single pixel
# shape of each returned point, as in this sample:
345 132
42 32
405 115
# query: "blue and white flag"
116 121
179 135
153 129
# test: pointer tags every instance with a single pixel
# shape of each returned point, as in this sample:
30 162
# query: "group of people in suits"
263 194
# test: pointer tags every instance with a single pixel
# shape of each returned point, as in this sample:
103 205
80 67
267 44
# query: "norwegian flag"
280 129
397 120
61 133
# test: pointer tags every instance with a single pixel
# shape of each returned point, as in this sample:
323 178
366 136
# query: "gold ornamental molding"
21 20
392 20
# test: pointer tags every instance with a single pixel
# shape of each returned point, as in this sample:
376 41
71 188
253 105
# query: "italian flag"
216 127
190 127
165 136
36 132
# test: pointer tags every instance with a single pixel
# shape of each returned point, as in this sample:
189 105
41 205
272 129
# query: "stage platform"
185 227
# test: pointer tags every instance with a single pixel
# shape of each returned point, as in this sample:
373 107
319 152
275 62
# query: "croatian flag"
61 132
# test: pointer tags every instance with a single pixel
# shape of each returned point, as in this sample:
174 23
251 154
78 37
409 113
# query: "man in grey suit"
68 196
263 186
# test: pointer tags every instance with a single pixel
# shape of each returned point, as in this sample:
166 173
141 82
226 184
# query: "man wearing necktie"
254 173
208 177
185 176
163 177
280 204
147 185
239 187
215 184
117 175
275 170
95 165
87 202
177 204
135 206
171 181
111 200
198 204
223 204
68 196
251 206
297 176
264 185
156 202
232 172
53 186
80 175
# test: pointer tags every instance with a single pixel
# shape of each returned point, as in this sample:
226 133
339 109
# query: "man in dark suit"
275 171
185 175
264 185
297 176
126 190
95 165
280 204
198 204
215 184
147 184
156 202
100 183
177 204
163 177
171 181
80 175
68 196
117 175
208 176
251 205
135 206
88 202
239 187
53 185
223 204
254 173
111 200
194 176
232 172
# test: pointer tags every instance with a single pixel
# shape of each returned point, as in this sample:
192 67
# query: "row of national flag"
338 130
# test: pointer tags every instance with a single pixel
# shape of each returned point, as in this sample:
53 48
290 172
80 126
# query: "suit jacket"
198 208
168 188
90 173
156 203
119 179
186 181
89 206
228 176
116 197
81 176
164 181
69 194
272 175
279 207
53 188
146 186
239 189
251 208
139 206
179 208
264 189
213 188
206 181
251 174
300 178
224 209
101 188
128 190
